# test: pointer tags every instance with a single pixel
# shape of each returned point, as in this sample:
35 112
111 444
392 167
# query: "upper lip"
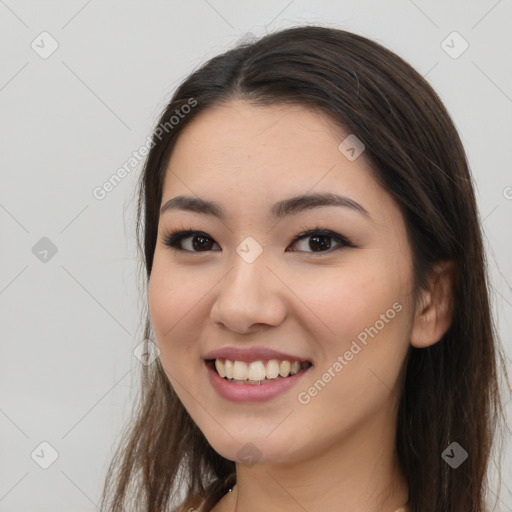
251 354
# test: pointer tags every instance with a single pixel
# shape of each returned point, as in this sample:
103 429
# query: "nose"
249 297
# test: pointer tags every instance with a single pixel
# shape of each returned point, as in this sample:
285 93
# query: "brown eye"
200 242
320 240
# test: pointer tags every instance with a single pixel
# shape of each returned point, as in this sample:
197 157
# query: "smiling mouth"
257 372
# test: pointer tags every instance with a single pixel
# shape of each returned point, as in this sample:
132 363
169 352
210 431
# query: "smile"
257 372
256 381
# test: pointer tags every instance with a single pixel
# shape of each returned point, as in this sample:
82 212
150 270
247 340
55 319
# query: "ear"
434 310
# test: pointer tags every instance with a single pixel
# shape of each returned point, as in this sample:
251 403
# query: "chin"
251 449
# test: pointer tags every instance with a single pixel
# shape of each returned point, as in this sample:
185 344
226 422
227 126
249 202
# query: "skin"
336 452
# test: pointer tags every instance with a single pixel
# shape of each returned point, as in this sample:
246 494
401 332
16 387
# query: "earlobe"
434 311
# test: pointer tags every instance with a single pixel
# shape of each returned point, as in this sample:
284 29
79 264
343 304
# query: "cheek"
342 302
362 339
174 301
359 311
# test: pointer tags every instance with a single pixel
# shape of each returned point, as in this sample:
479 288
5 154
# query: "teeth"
272 370
220 368
284 368
228 368
295 367
240 370
256 370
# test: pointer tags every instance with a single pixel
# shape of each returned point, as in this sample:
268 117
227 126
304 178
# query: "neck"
358 473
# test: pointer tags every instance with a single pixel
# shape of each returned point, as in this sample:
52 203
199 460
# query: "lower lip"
251 393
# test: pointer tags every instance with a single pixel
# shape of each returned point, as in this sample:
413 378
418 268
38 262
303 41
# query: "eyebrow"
290 206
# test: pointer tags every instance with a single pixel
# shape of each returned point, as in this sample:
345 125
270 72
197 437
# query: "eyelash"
175 237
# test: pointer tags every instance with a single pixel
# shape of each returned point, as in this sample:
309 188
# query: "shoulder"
194 504
214 498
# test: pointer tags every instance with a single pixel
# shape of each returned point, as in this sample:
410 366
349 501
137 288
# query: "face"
338 297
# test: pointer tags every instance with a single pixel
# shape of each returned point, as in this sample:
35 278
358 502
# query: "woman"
316 291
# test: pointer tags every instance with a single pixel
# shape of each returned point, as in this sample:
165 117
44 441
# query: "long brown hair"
451 390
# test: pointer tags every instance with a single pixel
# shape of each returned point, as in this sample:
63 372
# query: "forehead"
252 161
248 157
275 143
255 119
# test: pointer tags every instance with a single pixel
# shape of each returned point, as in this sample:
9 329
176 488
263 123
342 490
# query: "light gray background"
69 121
